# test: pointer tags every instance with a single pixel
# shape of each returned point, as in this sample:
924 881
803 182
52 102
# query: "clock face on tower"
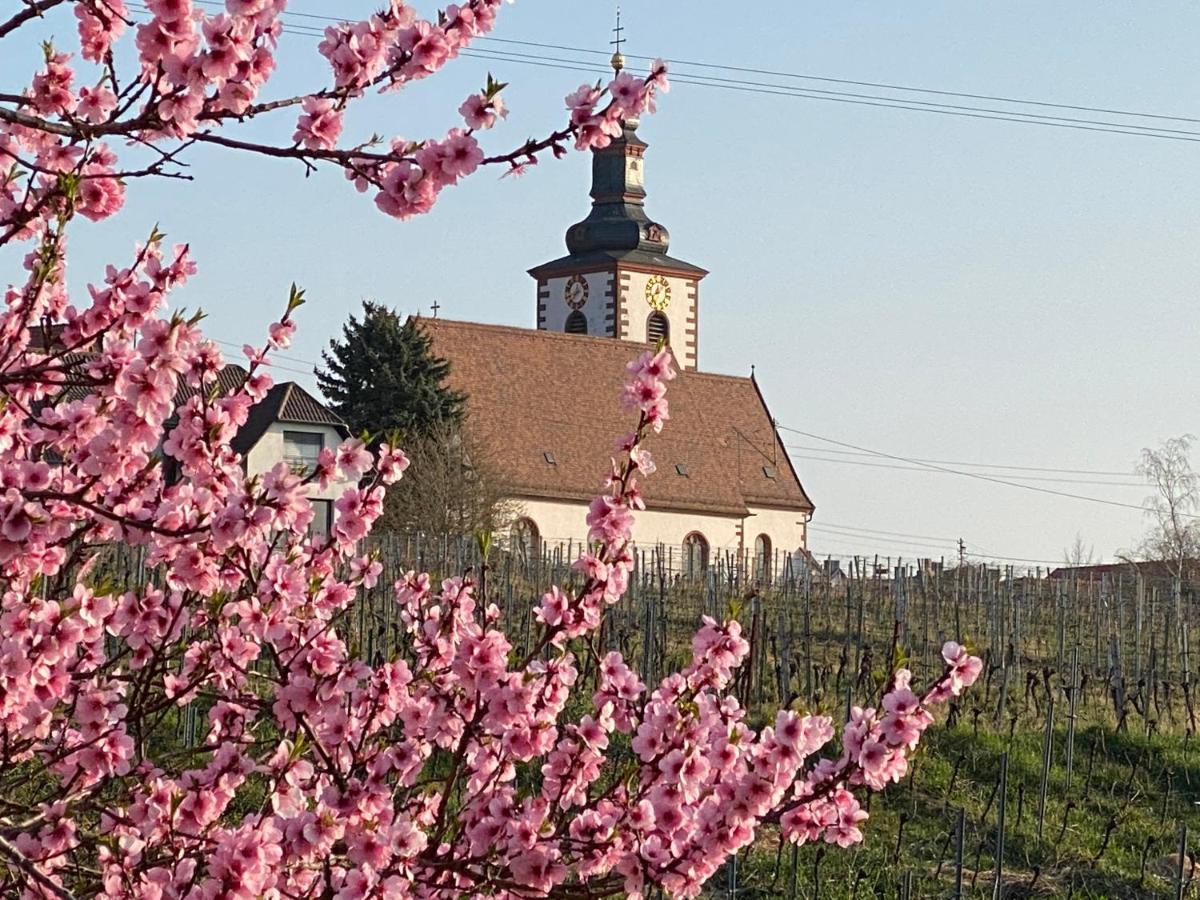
658 292
576 291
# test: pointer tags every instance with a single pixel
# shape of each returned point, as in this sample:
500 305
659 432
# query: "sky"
923 285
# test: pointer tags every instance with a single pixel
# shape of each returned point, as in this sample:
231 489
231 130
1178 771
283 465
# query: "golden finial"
618 60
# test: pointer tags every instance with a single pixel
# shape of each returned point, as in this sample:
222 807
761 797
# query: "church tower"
617 279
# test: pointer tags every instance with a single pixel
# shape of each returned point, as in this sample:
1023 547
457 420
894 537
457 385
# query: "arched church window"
658 328
695 555
762 558
526 541
576 323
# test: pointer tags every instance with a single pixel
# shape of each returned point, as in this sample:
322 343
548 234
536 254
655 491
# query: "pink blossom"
96 103
459 155
320 125
479 111
317 701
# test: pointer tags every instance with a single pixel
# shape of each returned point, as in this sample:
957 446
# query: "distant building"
545 401
288 425
1146 568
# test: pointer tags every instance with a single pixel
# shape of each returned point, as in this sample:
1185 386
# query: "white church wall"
559 521
680 312
785 528
553 309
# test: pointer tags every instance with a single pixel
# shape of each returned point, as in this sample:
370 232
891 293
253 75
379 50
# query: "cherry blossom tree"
462 767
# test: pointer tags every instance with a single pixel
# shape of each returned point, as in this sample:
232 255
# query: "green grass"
1145 787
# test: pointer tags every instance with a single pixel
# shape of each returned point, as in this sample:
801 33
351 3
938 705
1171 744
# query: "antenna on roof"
618 60
436 306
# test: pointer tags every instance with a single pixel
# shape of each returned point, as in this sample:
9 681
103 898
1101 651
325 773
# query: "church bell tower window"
576 323
658 328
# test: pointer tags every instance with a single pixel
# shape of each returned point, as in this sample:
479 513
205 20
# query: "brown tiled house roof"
546 404
285 402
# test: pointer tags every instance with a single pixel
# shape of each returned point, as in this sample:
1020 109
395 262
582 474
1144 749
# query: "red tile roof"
533 393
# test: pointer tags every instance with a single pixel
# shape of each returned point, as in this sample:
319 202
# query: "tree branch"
9 850
31 11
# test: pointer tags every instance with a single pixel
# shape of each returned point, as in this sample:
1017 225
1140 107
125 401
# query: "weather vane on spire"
618 61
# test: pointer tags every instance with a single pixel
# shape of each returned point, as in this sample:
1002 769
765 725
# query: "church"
544 400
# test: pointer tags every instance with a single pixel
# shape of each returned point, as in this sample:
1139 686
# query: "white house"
291 425
288 425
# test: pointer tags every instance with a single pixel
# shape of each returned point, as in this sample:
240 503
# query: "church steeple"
618 221
617 279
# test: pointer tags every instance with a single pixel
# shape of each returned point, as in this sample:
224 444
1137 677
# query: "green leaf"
493 87
295 298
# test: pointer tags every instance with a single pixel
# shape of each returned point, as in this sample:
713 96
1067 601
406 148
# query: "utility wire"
877 465
939 538
874 84
976 475
909 104
800 93
996 98
273 355
808 91
975 465
981 552
845 534
940 543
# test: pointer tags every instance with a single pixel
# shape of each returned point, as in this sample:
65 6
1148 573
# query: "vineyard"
1071 769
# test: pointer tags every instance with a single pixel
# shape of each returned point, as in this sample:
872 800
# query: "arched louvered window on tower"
658 328
576 323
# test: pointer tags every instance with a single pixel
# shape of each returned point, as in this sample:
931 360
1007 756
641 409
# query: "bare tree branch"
31 11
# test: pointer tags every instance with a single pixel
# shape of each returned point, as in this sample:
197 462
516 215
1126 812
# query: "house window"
658 328
695 554
322 519
526 542
301 449
576 323
762 558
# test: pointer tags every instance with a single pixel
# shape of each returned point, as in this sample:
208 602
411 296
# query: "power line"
271 357
976 465
826 79
976 475
938 538
909 104
981 552
874 84
872 465
808 92
898 541
273 354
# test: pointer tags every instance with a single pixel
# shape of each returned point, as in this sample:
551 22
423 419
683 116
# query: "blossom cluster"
398 778
202 71
467 765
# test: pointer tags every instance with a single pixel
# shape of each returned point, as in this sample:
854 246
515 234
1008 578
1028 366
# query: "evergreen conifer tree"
382 377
